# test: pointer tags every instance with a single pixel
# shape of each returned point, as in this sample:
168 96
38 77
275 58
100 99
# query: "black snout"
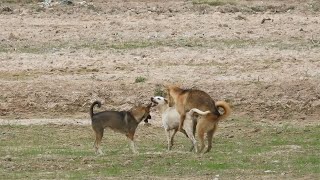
148 117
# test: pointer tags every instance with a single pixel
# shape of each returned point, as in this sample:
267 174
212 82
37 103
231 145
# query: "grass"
140 79
17 76
66 152
20 1
314 5
38 48
159 91
214 2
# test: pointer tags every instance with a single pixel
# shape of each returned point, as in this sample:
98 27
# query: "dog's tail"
199 111
92 106
226 108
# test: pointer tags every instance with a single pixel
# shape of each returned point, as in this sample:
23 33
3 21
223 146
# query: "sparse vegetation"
315 5
140 79
261 57
158 91
214 2
37 48
65 151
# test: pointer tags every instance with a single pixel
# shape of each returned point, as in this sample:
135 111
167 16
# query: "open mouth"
154 103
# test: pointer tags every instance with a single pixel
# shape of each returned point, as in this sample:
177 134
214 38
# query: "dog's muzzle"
154 103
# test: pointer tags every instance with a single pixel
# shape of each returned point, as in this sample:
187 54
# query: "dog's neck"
162 108
138 118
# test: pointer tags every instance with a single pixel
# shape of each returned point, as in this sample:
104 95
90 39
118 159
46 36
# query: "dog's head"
158 101
141 112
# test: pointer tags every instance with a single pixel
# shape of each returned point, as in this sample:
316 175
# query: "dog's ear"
166 101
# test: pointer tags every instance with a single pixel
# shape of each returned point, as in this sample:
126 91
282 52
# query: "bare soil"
263 57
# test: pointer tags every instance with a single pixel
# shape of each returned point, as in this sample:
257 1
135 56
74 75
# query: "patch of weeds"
140 79
158 91
21 1
94 8
272 8
315 6
17 76
258 8
214 2
67 2
132 45
310 164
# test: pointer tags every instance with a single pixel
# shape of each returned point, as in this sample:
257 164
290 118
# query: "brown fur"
185 100
124 122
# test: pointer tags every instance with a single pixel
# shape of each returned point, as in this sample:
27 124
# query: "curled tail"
92 106
199 111
226 108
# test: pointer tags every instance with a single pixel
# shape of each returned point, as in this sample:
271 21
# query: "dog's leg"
99 135
168 138
189 132
171 138
210 137
131 142
182 117
200 131
193 140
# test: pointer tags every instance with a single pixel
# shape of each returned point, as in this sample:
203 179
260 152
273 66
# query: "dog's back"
113 119
200 100
116 120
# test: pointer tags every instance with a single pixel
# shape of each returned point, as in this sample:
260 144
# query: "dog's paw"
99 152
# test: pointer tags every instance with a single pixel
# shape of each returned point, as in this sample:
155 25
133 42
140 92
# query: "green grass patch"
159 91
140 79
214 2
66 152
38 48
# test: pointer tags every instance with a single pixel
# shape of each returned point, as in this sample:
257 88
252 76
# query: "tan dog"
186 99
124 122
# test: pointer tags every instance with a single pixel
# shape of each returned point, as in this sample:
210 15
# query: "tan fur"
185 100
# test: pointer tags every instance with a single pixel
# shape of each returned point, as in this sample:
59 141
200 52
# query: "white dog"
171 118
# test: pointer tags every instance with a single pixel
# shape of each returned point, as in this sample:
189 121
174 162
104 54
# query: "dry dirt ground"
263 57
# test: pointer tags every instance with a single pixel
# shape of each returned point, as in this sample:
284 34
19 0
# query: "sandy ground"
55 61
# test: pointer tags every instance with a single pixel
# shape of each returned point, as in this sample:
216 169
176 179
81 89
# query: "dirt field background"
261 56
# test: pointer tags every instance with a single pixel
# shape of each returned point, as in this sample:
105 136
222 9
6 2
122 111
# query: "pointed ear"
166 87
166 101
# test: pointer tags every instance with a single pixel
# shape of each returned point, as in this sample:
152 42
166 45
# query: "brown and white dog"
124 122
171 118
186 99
